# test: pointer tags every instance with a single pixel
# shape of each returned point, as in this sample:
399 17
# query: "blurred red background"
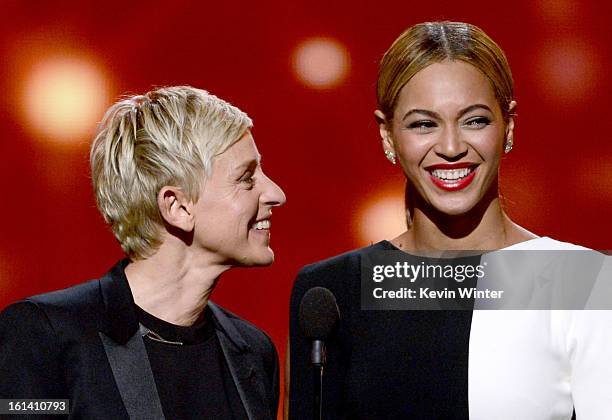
305 72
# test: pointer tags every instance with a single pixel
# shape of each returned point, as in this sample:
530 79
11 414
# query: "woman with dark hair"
446 114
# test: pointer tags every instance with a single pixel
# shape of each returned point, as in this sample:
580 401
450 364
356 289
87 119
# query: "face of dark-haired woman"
448 132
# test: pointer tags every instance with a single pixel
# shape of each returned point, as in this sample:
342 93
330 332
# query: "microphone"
318 316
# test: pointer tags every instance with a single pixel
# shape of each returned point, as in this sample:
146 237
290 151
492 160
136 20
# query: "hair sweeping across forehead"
166 137
430 42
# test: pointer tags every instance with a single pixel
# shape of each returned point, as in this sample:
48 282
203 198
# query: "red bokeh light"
568 71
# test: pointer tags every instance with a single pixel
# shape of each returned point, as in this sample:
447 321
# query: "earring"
390 156
508 146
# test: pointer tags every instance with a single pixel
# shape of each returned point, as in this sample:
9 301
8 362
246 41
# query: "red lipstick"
458 165
456 183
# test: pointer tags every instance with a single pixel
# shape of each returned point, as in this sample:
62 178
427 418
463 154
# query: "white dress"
544 361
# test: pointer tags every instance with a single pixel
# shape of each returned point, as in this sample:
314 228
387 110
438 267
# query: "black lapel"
124 347
120 321
134 377
244 368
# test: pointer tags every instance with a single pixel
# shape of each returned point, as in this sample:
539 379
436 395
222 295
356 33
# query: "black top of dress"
380 364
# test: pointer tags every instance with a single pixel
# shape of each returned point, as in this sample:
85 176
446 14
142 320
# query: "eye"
422 125
478 122
248 179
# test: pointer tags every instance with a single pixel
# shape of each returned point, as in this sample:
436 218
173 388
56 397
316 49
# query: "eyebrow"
248 163
435 115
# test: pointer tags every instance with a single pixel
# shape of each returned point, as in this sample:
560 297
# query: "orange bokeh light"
381 216
321 63
63 98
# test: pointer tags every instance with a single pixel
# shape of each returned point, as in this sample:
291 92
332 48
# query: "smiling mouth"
453 179
262 225
448 175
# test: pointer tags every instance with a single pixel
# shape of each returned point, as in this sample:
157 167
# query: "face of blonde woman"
233 212
448 133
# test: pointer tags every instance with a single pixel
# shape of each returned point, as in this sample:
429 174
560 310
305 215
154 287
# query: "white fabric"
538 364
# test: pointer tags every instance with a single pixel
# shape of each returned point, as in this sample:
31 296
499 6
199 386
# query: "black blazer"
84 343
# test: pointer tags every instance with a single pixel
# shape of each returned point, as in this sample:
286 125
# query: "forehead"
446 84
244 147
241 152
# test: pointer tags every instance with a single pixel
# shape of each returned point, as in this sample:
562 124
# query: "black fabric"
192 379
134 377
50 347
380 364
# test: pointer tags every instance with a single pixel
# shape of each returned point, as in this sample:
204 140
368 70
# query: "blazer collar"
224 324
121 321
121 325
244 366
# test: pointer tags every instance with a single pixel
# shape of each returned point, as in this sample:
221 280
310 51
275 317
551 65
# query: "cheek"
411 152
488 144
244 208
223 215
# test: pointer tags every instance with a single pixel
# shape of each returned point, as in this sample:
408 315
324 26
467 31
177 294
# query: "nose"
272 194
450 146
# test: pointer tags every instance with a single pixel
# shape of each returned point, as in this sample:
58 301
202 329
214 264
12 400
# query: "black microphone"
318 316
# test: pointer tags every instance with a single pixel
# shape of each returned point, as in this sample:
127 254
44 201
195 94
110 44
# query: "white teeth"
451 174
263 224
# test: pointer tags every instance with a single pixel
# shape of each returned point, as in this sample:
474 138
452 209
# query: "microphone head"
318 314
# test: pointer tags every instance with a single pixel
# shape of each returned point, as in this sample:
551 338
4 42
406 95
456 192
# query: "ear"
510 124
385 131
176 208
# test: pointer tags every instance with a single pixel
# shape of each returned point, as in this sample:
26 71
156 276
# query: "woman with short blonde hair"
178 177
165 137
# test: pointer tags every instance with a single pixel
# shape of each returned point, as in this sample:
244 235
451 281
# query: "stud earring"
390 156
508 146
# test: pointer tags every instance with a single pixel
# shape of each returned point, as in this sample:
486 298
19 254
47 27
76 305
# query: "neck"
484 227
174 284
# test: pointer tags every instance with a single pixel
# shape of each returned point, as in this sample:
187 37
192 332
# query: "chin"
454 208
261 258
263 261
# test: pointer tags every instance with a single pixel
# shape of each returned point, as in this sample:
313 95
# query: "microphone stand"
318 358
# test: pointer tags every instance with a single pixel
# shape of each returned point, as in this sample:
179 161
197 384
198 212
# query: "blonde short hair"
168 136
430 42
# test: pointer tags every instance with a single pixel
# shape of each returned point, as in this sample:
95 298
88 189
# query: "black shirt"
192 378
